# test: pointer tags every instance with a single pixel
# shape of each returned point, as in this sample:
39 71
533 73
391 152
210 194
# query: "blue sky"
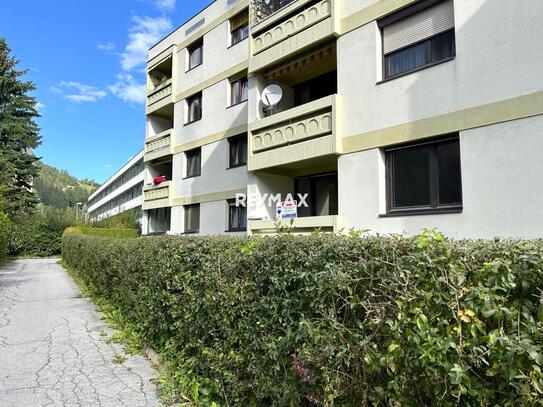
87 59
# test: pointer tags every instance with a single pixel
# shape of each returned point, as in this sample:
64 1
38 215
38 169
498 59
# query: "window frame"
231 141
240 79
433 173
197 150
199 43
402 14
189 101
241 28
428 56
232 203
185 219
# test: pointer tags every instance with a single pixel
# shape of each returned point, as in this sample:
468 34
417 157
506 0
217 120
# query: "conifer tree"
19 134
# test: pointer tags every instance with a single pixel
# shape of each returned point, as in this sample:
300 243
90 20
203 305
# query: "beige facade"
387 109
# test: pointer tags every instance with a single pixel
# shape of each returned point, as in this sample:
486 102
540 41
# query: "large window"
192 218
237 217
418 36
424 177
194 162
239 27
159 221
322 194
239 90
194 108
237 147
195 54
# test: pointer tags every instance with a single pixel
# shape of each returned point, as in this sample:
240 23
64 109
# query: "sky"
87 59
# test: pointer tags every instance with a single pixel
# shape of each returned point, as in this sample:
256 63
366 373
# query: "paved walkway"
52 349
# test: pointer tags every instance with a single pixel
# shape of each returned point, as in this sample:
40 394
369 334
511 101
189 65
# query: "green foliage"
103 232
330 320
40 233
19 134
5 230
59 189
127 220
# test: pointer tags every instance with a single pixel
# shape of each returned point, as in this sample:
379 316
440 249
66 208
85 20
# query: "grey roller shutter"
418 27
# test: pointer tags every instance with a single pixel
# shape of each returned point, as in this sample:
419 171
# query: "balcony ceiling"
302 68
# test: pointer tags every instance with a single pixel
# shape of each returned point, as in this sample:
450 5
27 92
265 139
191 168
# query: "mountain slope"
57 188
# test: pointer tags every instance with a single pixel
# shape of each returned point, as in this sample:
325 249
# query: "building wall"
485 38
501 183
120 193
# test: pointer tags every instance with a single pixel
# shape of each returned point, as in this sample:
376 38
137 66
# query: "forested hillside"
57 188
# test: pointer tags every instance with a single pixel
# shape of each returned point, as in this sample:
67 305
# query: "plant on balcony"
261 9
159 180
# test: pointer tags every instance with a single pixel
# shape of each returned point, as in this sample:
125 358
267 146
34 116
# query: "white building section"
122 192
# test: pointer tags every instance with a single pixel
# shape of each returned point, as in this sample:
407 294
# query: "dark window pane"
406 60
193 163
192 218
326 195
442 46
411 177
449 176
303 186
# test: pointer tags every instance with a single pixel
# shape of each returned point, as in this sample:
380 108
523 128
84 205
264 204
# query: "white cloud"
129 89
40 107
165 5
106 46
143 33
78 92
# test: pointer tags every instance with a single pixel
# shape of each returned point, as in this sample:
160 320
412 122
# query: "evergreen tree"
19 134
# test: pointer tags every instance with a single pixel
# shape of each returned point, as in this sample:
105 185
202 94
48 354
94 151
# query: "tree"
19 134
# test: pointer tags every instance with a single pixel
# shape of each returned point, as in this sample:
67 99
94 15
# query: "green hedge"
331 320
5 229
103 232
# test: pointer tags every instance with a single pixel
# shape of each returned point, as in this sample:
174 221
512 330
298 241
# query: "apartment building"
393 116
122 192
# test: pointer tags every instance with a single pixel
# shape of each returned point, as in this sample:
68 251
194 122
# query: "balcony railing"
160 92
331 223
159 143
295 24
262 9
156 192
297 134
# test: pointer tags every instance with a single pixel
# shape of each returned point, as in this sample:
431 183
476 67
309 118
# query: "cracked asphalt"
53 349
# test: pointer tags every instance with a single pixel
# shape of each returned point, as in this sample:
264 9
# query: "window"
237 147
316 88
239 91
418 36
194 162
322 194
424 176
192 218
237 217
196 54
159 220
194 108
239 27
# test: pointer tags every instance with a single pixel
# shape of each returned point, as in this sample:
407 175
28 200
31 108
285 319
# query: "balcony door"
322 192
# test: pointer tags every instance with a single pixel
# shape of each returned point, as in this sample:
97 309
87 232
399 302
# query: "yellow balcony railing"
301 133
295 24
161 92
159 146
156 196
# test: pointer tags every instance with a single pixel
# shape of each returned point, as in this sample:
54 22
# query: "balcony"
297 26
159 146
307 225
160 96
156 196
298 136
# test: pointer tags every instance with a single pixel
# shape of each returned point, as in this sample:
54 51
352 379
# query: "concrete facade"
489 93
120 193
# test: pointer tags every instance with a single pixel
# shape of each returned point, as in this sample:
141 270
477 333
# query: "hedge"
331 320
103 232
5 229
